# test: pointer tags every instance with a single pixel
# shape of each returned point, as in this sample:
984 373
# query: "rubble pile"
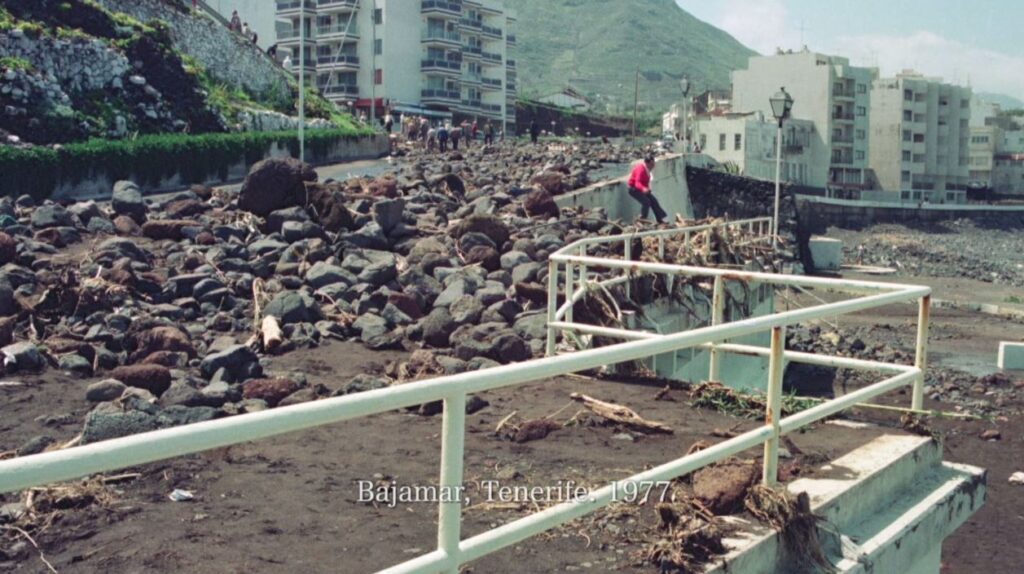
959 248
170 308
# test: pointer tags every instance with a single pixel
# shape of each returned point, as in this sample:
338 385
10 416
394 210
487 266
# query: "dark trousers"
647 203
455 144
443 144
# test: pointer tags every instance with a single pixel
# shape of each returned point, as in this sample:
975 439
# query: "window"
862 88
906 135
721 142
861 111
908 95
378 16
905 177
906 155
378 46
738 142
859 154
908 115
703 141
861 134
378 76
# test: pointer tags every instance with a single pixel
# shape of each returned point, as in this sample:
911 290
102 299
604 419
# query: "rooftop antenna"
802 30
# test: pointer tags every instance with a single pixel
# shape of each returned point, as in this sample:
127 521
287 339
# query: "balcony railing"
471 79
342 89
441 65
842 139
472 50
491 82
842 115
489 57
338 3
329 59
492 31
472 103
440 95
472 23
445 7
442 36
490 107
323 31
288 5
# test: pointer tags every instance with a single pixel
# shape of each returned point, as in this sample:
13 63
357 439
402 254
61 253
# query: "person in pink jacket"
640 189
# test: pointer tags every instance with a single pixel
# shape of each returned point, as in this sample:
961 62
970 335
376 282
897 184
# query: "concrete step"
886 506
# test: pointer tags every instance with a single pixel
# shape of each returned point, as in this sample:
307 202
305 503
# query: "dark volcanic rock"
126 199
274 184
490 225
238 361
153 378
270 390
540 203
294 307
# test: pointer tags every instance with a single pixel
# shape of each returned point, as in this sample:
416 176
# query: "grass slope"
595 46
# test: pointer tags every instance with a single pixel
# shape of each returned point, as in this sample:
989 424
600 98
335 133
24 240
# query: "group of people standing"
236 25
445 135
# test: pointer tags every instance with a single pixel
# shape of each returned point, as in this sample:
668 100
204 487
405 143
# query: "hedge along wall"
167 162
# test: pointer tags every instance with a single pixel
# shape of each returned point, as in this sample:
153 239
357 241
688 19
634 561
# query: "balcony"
491 83
472 104
442 66
511 87
341 90
444 97
472 24
471 79
294 7
492 108
343 62
442 8
511 39
443 38
337 32
492 32
472 51
843 116
842 139
289 37
491 58
337 5
511 64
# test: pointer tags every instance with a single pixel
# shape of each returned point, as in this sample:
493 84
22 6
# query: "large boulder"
126 199
154 378
46 216
238 361
329 203
723 487
163 338
274 184
490 225
552 182
294 307
540 203
272 391
370 266
173 229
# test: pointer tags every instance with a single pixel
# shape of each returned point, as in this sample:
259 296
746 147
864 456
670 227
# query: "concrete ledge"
669 184
1011 355
826 253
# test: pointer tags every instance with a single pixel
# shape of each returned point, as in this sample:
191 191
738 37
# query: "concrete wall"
817 213
669 184
227 56
100 183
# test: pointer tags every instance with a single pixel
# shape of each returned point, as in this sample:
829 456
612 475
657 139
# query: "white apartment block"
996 150
443 59
749 142
920 129
827 91
981 153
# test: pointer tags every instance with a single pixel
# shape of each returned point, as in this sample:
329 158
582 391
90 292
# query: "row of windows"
737 141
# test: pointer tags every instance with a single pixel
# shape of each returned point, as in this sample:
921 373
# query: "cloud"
763 25
934 55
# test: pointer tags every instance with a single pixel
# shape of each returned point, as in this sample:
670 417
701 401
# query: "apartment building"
920 130
749 142
444 59
827 91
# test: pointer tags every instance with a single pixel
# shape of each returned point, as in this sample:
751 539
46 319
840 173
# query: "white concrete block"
827 253
1011 355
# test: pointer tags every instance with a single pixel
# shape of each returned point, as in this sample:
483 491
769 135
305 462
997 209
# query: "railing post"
717 315
661 248
628 255
453 439
921 355
552 306
773 412
583 267
570 278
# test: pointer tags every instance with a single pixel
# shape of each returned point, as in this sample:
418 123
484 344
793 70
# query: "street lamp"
782 104
684 87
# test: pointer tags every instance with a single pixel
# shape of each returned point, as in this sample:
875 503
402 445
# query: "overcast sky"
976 41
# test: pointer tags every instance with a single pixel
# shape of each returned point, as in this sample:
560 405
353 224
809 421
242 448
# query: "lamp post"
684 86
782 104
302 83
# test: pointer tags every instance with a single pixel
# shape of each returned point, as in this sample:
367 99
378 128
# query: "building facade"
920 133
749 142
827 91
443 59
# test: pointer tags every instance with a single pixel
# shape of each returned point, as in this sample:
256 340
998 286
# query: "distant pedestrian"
413 129
534 131
255 38
389 121
272 51
456 135
247 31
430 139
476 130
640 189
860 254
489 134
235 25
424 130
442 137
287 63
195 5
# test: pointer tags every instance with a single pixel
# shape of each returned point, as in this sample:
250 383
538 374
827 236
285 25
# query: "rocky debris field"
992 394
991 251
169 311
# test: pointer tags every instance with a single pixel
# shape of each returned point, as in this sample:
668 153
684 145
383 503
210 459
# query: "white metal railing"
453 551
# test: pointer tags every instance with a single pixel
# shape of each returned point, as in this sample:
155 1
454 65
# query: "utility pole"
636 101
302 84
373 60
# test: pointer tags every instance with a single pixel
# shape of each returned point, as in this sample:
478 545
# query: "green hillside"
596 45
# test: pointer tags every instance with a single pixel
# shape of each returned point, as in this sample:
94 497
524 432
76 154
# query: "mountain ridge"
599 46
